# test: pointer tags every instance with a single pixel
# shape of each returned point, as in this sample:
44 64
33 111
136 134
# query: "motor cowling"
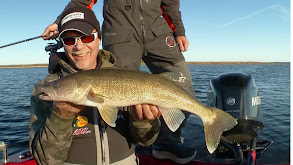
237 94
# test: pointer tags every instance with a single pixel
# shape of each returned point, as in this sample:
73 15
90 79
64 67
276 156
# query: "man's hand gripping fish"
107 89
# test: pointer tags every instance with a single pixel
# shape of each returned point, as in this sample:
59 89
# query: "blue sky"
218 30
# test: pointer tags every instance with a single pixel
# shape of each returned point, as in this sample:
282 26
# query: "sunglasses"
85 39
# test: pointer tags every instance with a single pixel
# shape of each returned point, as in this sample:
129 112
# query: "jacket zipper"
100 127
142 28
102 130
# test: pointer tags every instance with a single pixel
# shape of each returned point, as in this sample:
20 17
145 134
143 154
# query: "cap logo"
71 16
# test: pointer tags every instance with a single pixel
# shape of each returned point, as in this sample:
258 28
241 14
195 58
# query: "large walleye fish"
107 89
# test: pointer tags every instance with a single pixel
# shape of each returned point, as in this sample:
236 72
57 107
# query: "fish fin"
214 127
109 115
92 96
172 117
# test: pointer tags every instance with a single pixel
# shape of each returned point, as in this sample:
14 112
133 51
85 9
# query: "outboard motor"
237 94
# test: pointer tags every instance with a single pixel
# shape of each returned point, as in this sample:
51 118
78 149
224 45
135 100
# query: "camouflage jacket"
84 139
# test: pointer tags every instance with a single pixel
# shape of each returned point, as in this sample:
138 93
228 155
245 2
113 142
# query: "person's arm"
51 32
144 124
171 13
171 9
50 133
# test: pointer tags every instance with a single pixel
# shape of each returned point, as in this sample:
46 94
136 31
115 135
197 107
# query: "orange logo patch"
80 121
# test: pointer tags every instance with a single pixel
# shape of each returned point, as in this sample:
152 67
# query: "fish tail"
213 129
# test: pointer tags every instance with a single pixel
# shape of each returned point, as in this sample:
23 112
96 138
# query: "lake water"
273 81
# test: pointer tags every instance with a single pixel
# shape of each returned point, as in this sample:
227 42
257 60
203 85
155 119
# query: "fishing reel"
53 47
54 55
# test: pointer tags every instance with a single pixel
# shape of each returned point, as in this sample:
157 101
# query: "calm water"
272 80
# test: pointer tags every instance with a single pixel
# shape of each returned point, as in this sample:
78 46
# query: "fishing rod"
29 39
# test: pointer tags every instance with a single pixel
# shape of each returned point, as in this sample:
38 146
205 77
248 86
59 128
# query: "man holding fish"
86 81
64 132
151 31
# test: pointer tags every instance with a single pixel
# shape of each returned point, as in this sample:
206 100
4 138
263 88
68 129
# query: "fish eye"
47 84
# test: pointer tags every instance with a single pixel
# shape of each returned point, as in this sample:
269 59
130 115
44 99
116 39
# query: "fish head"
59 90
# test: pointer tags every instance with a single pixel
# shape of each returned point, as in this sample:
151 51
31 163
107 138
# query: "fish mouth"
45 96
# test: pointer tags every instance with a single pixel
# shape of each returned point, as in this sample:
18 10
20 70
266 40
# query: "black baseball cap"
79 19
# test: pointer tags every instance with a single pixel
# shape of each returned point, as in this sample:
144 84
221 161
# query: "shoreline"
188 63
25 66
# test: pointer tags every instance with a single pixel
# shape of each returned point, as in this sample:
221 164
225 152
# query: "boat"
235 93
